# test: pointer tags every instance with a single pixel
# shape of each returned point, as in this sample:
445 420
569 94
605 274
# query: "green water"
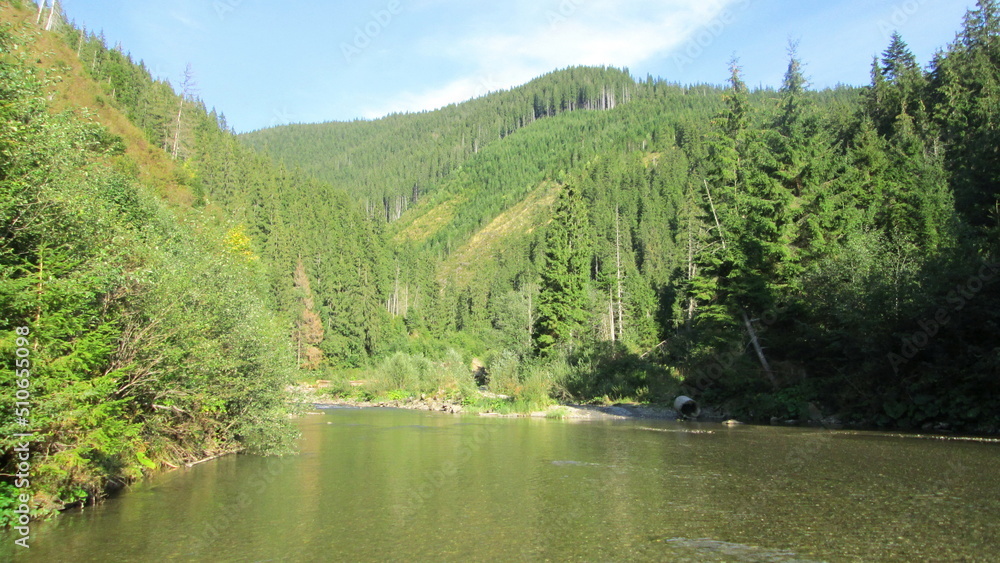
416 486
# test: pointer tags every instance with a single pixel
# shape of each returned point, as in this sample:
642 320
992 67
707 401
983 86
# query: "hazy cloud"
527 39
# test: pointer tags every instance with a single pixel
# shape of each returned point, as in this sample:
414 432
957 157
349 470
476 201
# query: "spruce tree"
562 302
898 61
965 95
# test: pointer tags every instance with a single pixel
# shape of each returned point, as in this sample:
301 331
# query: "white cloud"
538 37
185 18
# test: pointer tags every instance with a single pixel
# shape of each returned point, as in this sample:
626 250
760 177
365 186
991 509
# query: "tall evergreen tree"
898 61
966 105
562 302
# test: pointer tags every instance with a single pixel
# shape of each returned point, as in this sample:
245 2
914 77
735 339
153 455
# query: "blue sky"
270 62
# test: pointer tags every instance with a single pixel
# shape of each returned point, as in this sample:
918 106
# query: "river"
382 484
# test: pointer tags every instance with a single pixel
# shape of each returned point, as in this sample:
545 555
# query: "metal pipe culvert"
687 407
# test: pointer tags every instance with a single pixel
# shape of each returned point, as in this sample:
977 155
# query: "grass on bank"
510 383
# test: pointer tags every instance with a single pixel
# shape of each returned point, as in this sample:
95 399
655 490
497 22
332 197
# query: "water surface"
380 484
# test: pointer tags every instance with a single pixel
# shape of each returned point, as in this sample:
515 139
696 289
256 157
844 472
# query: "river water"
378 484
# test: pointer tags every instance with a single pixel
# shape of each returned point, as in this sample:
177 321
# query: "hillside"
390 163
742 245
60 67
584 237
150 316
545 132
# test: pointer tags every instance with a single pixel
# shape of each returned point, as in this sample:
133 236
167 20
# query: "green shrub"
503 373
398 395
417 375
536 385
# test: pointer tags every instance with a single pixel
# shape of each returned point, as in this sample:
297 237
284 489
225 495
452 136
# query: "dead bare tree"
52 13
187 93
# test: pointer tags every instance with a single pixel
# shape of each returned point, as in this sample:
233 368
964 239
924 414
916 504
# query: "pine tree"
730 141
803 165
562 302
965 85
898 87
898 61
793 126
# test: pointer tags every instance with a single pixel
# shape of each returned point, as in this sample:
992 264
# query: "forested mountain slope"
389 163
143 296
779 252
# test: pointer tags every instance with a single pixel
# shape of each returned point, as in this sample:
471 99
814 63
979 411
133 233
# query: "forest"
785 253
782 253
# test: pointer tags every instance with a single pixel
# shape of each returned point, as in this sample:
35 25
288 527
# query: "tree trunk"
618 262
692 272
531 321
611 315
41 282
177 131
760 351
395 293
48 25
716 215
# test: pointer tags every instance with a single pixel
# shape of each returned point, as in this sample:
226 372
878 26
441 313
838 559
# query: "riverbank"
490 404
316 396
626 411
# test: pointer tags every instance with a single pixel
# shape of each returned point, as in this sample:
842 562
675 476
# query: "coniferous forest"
587 237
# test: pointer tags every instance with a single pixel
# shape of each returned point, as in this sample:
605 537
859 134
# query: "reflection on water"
405 485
